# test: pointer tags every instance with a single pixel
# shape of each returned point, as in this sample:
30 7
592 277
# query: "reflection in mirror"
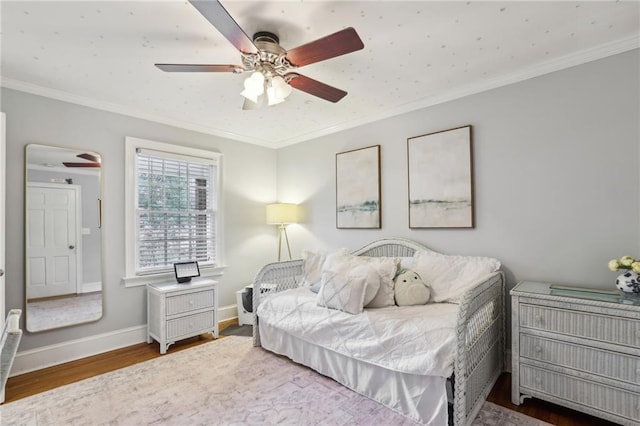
63 270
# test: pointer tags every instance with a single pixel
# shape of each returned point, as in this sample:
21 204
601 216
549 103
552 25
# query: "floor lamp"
282 214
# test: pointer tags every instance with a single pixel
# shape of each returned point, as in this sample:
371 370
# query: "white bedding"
409 339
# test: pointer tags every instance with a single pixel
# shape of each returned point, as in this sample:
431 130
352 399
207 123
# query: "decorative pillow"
312 265
379 269
406 262
346 264
386 267
410 289
450 276
342 292
313 262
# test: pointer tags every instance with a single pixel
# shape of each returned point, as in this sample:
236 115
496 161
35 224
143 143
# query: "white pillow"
342 292
386 268
378 269
450 276
312 265
346 264
406 262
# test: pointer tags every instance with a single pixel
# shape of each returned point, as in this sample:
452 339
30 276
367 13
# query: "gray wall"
556 183
556 175
249 178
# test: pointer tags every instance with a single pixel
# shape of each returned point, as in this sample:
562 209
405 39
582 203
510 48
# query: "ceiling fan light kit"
269 61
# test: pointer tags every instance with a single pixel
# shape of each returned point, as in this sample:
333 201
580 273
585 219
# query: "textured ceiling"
416 54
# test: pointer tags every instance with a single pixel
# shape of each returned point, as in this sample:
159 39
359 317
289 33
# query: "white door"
51 239
2 216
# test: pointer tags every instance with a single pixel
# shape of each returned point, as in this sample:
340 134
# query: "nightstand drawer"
610 400
189 302
609 364
188 325
616 330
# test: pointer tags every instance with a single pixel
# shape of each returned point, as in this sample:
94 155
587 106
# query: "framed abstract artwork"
440 167
358 188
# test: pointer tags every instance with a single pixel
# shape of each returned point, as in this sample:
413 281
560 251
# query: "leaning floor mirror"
63 231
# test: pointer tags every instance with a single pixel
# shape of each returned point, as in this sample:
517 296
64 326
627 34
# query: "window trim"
131 279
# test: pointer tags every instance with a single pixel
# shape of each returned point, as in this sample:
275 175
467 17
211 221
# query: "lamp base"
283 230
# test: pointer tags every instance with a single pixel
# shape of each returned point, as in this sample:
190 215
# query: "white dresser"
578 349
177 311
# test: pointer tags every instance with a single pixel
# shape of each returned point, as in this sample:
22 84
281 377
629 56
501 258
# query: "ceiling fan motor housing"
270 58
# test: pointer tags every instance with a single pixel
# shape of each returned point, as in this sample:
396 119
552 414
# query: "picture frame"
440 169
358 189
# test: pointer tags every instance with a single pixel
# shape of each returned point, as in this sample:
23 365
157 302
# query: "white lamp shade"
272 99
253 87
281 88
281 213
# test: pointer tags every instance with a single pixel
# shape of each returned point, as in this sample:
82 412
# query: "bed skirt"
423 399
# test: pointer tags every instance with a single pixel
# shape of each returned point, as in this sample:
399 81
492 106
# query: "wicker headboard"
390 247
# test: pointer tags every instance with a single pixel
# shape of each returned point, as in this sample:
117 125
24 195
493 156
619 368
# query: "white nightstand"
177 311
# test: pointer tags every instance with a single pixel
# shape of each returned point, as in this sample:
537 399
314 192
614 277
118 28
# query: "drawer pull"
538 349
190 325
537 319
538 380
191 302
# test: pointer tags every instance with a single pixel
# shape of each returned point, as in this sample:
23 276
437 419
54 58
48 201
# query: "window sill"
143 280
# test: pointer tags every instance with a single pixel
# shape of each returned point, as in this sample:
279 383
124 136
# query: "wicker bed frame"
480 340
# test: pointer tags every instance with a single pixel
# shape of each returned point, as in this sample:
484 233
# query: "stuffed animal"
410 289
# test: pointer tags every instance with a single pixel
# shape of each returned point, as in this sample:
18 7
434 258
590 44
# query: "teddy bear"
410 289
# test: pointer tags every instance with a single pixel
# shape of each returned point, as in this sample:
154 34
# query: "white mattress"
410 339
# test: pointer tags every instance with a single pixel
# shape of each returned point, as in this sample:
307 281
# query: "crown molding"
578 58
60 95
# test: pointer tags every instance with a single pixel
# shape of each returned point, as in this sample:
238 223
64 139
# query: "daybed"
433 377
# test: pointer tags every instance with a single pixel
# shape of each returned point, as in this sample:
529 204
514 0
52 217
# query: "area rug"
225 382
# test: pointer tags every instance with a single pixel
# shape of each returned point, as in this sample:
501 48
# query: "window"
172 208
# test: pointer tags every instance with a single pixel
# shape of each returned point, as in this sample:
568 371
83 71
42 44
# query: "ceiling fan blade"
220 18
87 156
67 164
315 88
200 68
336 44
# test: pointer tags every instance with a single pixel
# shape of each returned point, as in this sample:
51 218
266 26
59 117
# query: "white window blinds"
175 210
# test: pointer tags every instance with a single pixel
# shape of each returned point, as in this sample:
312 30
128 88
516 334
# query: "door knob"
72 247
1 272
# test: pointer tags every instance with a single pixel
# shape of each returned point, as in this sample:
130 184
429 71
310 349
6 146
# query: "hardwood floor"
42 380
545 411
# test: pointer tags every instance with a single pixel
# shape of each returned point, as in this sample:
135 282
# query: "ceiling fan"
270 62
94 161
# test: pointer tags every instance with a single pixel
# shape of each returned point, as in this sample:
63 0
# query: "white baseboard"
227 312
48 356
92 287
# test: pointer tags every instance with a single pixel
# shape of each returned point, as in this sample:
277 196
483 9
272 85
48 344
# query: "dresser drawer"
617 330
614 365
189 302
190 324
614 401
